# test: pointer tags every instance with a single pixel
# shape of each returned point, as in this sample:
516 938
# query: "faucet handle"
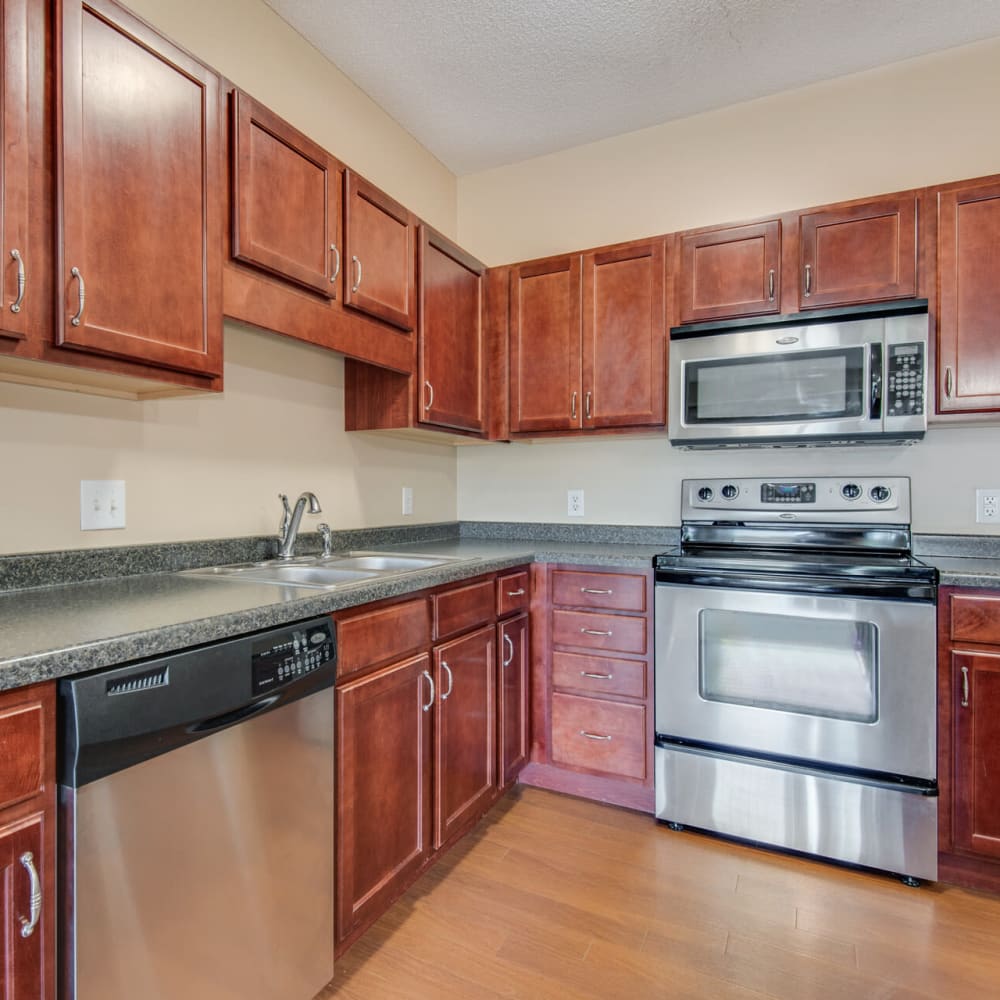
286 517
327 536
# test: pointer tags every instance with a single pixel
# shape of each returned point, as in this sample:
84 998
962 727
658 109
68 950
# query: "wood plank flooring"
554 897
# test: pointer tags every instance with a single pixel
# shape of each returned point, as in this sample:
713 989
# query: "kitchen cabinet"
380 254
588 340
27 843
139 193
513 690
730 272
968 261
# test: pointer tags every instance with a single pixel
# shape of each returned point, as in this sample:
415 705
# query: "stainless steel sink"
385 562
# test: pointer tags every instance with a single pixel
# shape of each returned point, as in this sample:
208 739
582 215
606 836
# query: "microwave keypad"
906 380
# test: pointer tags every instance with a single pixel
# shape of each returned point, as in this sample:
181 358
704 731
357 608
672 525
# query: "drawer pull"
35 902
595 631
600 677
590 590
516 593
593 736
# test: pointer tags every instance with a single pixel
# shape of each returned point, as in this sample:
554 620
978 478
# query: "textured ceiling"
482 84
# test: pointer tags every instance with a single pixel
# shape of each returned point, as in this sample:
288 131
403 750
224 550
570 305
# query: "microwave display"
804 385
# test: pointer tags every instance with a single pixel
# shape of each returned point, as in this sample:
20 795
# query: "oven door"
831 680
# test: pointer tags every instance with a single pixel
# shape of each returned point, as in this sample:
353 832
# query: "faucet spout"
290 524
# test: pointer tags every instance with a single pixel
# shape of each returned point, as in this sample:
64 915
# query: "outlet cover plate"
102 504
407 500
574 503
988 506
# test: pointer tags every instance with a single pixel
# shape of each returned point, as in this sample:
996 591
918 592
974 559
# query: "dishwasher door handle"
237 715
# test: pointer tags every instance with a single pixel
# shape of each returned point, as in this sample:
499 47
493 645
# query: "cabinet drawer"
975 618
373 638
599 735
620 633
599 675
611 591
463 608
513 593
22 732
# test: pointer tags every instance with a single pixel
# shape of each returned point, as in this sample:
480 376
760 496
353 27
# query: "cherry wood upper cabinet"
450 361
140 194
380 247
858 253
730 272
968 349
286 194
624 336
545 361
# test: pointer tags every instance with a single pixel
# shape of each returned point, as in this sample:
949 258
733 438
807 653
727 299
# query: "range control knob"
880 493
705 494
850 491
729 491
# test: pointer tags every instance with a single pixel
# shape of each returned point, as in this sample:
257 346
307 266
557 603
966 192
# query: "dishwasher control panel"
293 653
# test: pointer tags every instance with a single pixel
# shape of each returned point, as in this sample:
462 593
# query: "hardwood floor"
553 897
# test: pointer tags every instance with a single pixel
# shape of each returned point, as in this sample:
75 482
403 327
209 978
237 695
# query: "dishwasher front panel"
206 873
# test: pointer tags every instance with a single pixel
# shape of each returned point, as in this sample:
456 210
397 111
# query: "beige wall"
212 466
915 123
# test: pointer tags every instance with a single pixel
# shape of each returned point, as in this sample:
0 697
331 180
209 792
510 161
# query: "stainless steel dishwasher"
196 823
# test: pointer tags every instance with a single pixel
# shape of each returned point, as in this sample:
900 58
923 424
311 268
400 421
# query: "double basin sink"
322 572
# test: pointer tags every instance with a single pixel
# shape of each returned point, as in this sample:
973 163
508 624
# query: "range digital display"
788 493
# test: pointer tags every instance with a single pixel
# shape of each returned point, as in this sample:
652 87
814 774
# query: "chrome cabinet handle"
334 249
75 321
509 643
947 381
516 593
586 403
357 268
572 406
15 306
430 396
770 285
595 631
451 680
965 687
430 680
600 677
807 291
28 926
594 736
590 590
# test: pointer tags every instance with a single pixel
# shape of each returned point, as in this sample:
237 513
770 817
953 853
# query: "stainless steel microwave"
832 378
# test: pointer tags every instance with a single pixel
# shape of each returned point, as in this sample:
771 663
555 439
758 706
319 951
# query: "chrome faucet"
291 519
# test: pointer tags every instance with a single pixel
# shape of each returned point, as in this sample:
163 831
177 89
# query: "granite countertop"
963 571
61 630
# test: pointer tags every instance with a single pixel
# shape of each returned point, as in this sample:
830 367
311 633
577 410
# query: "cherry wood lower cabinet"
27 843
513 689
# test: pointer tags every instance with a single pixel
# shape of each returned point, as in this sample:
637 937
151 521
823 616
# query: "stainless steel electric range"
795 671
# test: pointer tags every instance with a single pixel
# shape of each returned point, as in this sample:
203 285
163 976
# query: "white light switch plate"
102 504
407 500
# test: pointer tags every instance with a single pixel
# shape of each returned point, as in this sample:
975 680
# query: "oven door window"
810 666
779 388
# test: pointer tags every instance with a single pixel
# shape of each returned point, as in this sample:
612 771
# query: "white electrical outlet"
102 504
407 500
574 503
988 505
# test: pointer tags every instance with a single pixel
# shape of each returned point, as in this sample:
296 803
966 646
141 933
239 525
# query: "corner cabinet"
139 194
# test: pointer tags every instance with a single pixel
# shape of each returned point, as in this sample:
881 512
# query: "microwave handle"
875 382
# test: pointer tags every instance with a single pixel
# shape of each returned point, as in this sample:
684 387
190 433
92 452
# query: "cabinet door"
21 869
624 336
969 304
514 689
545 355
380 243
383 818
140 201
465 754
286 194
976 792
450 363
730 272
862 253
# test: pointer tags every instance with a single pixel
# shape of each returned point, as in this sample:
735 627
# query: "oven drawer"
618 633
598 735
599 675
609 591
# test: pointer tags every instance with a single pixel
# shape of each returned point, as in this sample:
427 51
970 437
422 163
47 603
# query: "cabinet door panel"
286 200
380 266
969 305
383 788
730 272
451 361
624 337
976 697
140 208
545 359
514 687
863 253
465 679
22 848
